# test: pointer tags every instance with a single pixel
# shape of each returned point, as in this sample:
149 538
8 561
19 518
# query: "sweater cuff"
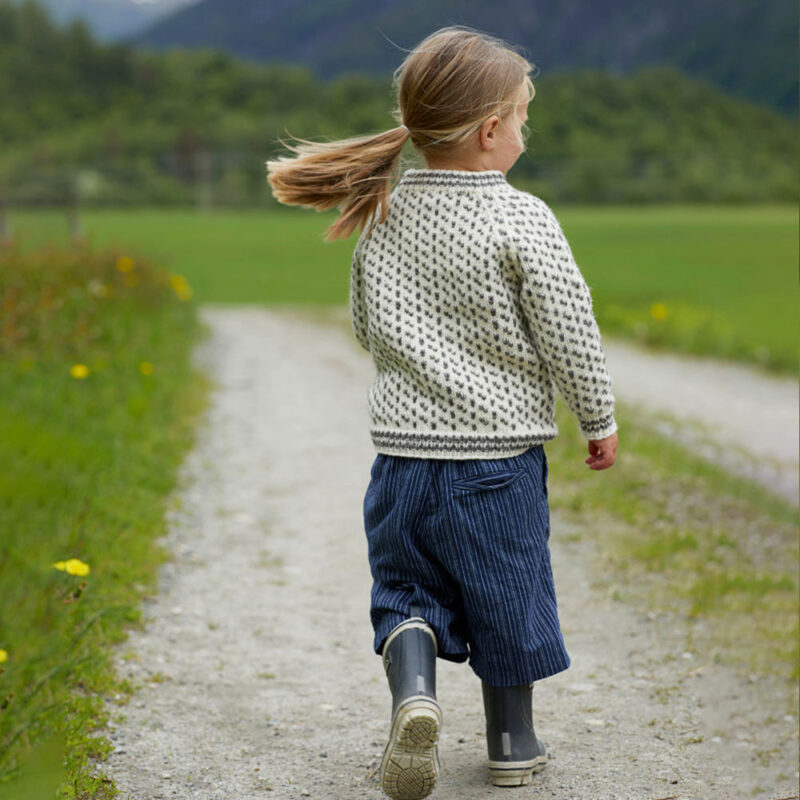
598 428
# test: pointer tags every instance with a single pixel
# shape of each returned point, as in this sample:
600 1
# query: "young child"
465 292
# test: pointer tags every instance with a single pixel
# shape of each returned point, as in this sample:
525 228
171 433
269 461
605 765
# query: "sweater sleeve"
358 310
557 306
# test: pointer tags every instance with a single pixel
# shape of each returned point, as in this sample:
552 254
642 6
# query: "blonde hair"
446 87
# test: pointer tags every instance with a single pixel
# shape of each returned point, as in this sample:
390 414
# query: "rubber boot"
410 764
514 751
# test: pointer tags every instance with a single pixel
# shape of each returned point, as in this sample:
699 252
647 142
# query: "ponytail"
446 88
354 174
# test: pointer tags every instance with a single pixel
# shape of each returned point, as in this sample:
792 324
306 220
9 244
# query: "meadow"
704 279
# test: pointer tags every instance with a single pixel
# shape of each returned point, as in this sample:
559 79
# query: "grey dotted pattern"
470 302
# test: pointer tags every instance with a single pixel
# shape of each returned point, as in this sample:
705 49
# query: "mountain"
113 19
746 48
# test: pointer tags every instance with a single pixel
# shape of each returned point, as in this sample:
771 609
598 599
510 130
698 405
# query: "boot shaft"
509 723
410 765
409 658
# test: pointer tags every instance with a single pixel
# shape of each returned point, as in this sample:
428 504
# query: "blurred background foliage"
105 123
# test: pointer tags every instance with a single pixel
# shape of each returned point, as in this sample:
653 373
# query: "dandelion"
659 311
79 371
146 368
3 656
125 264
181 286
72 566
177 281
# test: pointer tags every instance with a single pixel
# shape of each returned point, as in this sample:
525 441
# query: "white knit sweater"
470 302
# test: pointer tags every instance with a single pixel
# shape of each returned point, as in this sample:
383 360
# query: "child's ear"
488 132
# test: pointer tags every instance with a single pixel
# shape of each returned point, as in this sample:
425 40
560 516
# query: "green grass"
725 278
88 463
678 533
247 256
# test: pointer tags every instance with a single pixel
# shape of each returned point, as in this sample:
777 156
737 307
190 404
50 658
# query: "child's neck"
468 162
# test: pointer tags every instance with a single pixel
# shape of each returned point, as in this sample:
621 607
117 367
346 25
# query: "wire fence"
236 178
205 178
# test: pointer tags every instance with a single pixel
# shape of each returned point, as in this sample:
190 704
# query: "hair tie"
405 128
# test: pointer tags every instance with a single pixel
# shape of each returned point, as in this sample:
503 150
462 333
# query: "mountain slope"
113 19
745 48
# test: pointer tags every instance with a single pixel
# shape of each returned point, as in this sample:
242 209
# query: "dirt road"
257 675
733 414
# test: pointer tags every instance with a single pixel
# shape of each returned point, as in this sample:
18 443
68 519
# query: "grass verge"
680 534
97 404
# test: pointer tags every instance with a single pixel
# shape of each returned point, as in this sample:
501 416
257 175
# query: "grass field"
714 280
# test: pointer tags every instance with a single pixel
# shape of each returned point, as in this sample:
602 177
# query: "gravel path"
256 673
733 414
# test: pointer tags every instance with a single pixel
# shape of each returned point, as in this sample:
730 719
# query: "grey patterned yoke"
470 302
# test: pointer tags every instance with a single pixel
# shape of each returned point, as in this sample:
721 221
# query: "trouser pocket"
486 481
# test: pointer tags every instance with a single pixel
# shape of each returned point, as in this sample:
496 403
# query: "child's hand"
602 452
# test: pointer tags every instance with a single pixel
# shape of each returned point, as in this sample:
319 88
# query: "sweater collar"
452 177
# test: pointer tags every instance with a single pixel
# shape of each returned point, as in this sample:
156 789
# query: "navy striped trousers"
466 541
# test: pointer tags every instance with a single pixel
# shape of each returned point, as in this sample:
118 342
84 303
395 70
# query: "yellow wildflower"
125 264
72 566
3 656
181 286
146 368
79 371
659 311
177 282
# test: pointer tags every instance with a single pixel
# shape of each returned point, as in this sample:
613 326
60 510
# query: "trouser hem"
550 659
390 621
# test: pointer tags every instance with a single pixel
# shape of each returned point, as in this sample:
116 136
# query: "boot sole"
515 773
410 764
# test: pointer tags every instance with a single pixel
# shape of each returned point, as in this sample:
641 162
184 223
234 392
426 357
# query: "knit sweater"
470 302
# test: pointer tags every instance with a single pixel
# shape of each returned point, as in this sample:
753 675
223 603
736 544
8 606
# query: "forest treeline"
116 124
745 48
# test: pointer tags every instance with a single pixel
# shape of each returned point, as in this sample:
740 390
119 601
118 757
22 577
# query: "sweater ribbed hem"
452 177
429 444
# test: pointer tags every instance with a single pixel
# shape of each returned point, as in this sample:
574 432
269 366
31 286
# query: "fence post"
76 233
6 239
204 173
